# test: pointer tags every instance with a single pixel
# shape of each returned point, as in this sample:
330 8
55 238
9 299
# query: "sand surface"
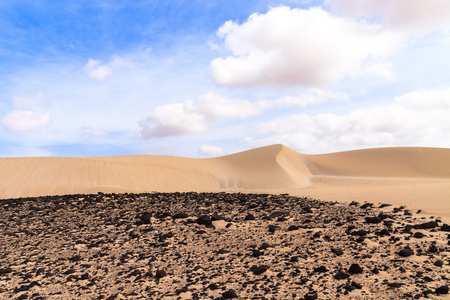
413 176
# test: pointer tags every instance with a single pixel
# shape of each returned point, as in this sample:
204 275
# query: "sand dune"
270 167
415 176
401 162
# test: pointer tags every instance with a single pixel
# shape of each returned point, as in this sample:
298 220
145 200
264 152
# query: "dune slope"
403 162
273 167
268 167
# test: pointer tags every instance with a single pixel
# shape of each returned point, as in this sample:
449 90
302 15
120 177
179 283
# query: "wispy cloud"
25 120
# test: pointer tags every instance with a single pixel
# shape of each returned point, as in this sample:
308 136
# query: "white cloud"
312 97
383 70
417 118
193 116
98 71
409 15
297 47
25 120
207 150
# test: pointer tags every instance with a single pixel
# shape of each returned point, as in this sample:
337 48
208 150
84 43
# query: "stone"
341 275
259 270
442 290
406 252
230 294
355 269
373 220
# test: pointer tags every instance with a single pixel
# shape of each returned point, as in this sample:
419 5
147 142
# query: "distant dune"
277 169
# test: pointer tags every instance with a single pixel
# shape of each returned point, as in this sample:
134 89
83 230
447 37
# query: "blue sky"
208 78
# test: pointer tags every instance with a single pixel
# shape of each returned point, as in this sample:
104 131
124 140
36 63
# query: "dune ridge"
270 167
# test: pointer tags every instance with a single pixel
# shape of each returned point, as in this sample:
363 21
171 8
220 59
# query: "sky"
201 79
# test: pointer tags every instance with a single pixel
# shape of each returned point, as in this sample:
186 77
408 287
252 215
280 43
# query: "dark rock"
259 270
366 205
213 286
355 269
204 220
385 205
406 252
427 225
433 249
373 220
439 263
257 253
321 269
273 228
356 285
341 275
180 216
217 218
310 296
264 246
445 227
383 232
293 227
418 235
223 251
408 228
337 251
249 217
230 294
160 273
395 284
5 271
146 218
442 290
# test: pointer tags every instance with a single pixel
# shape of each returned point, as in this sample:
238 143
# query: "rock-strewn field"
218 246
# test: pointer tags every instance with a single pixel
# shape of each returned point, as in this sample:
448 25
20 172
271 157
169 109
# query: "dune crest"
398 162
273 167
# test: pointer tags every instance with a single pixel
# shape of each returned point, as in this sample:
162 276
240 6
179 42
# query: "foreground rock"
217 246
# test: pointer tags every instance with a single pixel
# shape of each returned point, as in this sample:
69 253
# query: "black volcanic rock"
427 225
341 275
230 294
258 270
310 296
273 228
337 251
406 252
249 217
204 220
321 269
373 220
445 227
355 269
442 290
418 235
160 273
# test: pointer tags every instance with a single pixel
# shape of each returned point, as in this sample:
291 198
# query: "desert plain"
268 223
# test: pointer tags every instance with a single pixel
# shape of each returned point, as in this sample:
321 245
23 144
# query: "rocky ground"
218 246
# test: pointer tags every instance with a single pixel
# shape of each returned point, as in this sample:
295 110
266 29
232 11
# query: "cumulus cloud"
297 47
419 117
408 15
193 116
99 71
207 150
25 120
